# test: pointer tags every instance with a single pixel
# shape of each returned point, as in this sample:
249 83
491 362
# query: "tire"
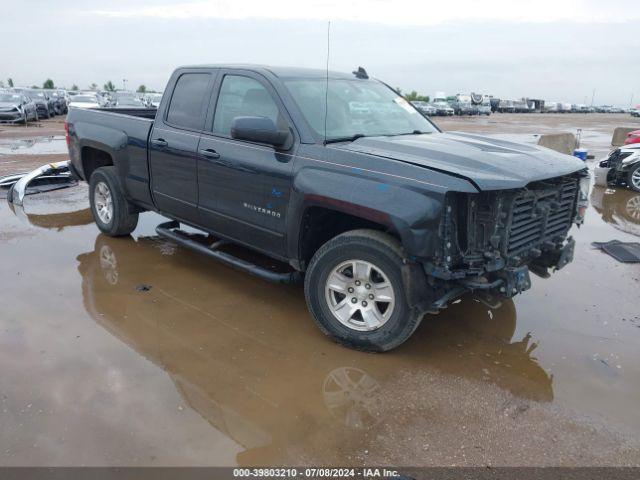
112 213
633 178
387 328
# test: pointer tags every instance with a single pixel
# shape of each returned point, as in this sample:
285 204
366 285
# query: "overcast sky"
551 49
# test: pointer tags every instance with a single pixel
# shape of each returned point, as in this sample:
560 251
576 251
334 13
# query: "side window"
188 105
241 97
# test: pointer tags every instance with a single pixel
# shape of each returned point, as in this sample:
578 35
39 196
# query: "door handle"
159 142
209 153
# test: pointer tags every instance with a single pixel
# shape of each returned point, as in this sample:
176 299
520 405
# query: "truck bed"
120 132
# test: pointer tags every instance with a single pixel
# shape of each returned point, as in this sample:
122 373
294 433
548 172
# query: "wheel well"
319 225
93 158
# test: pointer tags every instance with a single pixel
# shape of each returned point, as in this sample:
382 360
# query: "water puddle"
51 145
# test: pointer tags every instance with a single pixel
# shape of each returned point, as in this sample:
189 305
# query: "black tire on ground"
634 171
124 218
386 254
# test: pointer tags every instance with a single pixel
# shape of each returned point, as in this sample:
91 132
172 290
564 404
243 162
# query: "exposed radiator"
540 214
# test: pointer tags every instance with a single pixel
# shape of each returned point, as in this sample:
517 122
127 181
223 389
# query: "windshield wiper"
415 132
352 138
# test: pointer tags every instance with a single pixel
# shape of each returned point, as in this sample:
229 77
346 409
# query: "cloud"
400 12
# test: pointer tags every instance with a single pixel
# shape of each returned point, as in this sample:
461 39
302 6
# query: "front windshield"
355 107
35 93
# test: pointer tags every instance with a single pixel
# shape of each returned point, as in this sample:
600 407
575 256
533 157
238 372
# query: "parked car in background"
622 166
461 104
59 98
443 109
153 99
43 101
85 100
632 137
16 107
425 108
635 111
128 102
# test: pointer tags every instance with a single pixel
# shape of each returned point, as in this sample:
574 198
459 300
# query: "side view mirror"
258 129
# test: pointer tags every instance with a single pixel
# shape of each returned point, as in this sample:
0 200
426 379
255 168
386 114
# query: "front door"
173 145
244 187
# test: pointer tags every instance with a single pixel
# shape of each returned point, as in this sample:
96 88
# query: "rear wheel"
354 290
633 178
111 211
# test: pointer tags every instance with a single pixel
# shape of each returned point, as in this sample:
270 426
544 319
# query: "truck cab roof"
281 72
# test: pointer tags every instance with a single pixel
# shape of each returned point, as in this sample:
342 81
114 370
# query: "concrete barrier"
620 134
560 142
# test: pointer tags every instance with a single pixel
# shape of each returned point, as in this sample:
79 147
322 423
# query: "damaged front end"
490 241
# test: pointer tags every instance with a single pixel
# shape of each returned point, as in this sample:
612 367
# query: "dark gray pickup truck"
384 216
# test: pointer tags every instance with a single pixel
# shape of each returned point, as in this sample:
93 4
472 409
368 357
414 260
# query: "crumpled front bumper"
18 191
429 296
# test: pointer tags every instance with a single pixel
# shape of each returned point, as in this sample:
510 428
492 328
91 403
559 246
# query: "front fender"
413 214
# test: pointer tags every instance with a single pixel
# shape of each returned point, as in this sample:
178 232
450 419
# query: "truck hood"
489 163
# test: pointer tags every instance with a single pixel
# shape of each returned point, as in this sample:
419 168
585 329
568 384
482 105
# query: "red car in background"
632 137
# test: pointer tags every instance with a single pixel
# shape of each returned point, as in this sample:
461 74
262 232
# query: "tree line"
49 84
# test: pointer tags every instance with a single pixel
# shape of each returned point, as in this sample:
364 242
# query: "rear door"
244 187
173 143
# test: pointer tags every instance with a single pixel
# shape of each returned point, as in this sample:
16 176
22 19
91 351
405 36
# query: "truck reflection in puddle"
246 355
619 207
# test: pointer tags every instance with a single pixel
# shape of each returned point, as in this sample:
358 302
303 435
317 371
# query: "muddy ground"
137 352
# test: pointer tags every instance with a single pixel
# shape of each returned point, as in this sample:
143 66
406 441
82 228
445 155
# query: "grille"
541 214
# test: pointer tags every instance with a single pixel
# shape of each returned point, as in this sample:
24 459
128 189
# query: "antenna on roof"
326 91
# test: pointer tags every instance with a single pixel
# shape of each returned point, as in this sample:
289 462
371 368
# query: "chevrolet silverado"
383 215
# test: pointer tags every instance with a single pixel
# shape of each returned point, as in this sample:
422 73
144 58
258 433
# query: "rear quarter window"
188 106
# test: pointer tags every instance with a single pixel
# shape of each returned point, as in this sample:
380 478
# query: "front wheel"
633 179
111 211
354 290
